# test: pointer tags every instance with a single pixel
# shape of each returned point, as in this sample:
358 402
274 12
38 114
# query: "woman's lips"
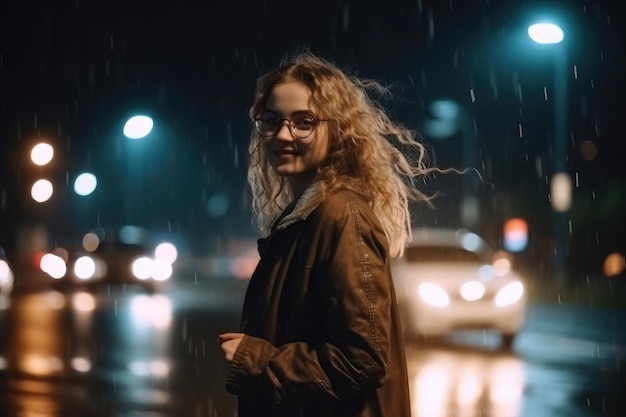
285 153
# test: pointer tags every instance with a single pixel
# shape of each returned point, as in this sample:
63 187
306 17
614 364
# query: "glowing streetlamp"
546 33
138 127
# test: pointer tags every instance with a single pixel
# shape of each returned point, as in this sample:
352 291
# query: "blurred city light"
132 235
475 383
91 241
53 265
161 270
41 190
81 364
84 301
5 272
85 184
445 121
85 267
151 311
545 33
217 205
138 127
561 192
515 235
41 154
502 264
588 150
614 265
471 242
166 252
142 267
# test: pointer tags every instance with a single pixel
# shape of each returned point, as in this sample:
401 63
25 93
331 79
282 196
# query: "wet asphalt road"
125 352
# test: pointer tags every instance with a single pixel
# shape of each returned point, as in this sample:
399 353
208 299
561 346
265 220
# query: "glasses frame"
290 126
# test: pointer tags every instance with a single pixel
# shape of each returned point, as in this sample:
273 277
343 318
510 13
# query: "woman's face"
288 154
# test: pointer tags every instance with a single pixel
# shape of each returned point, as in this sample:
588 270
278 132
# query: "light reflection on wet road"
125 352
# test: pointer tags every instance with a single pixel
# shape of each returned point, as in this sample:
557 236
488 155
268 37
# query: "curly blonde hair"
368 153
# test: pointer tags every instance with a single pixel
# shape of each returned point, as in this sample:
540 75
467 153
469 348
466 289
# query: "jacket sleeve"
353 283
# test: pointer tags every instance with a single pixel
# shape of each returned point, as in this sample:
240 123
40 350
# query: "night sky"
72 71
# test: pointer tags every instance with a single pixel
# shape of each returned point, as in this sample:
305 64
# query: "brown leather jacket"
323 335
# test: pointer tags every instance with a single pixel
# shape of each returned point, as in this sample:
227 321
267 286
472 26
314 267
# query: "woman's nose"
284 132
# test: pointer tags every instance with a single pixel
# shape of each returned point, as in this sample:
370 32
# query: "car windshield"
440 254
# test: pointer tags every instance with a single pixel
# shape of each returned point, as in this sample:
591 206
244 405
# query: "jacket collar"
308 201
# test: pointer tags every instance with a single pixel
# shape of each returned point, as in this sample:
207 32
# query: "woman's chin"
285 171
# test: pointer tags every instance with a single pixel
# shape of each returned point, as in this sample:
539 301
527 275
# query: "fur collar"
308 201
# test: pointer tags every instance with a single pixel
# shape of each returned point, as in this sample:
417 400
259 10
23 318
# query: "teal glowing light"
546 33
85 184
138 127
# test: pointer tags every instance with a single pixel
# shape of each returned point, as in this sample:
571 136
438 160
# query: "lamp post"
136 130
560 182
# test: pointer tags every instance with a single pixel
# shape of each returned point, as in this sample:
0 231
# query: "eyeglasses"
301 126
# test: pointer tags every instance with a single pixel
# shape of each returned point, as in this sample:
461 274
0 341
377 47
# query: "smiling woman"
321 331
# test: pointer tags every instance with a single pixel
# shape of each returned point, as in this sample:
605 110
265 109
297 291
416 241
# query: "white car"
116 255
451 280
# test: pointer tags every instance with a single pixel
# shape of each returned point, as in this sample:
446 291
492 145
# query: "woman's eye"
304 123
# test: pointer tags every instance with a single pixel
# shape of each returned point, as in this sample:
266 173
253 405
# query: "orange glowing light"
614 264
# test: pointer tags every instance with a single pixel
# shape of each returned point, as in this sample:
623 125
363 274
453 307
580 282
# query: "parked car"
450 280
113 255
6 275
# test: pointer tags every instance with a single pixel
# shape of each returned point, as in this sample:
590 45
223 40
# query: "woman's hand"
229 343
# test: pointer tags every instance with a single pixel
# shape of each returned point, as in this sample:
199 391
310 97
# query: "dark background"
72 71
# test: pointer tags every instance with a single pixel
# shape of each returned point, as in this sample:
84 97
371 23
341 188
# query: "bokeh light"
515 235
545 33
166 252
138 127
217 205
41 190
85 184
588 150
561 192
42 153
53 265
91 241
614 264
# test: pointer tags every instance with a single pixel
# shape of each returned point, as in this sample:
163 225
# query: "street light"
547 33
41 154
138 127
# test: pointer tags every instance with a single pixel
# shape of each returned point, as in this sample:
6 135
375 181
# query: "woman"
320 332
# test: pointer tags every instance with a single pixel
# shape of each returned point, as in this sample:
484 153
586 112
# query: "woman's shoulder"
341 205
347 210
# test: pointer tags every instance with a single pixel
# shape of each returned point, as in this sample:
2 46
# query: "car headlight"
84 268
162 270
142 268
509 294
433 295
53 265
145 268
